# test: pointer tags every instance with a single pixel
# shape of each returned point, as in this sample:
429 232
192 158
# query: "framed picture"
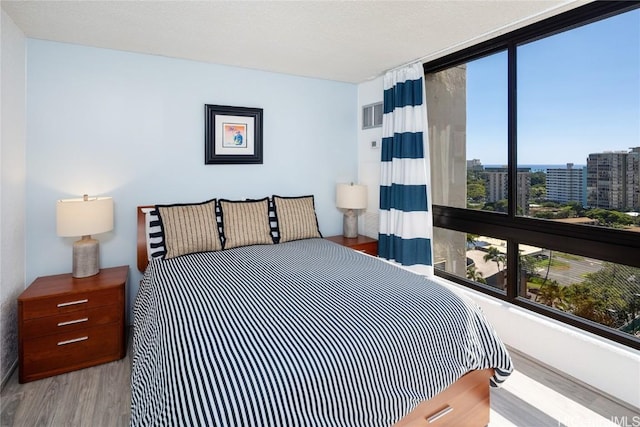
232 135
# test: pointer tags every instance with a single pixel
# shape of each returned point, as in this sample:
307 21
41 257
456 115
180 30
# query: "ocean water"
539 168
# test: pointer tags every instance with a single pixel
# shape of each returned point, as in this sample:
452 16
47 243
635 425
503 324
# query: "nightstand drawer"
65 303
72 321
53 354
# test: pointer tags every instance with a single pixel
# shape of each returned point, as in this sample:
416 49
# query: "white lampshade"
84 216
351 196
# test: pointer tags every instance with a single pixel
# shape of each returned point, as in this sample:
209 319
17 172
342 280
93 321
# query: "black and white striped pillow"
153 232
273 222
296 218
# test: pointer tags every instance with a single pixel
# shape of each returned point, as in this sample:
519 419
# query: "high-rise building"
613 180
567 184
474 165
497 187
633 179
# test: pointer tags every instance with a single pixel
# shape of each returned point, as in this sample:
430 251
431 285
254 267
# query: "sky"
578 93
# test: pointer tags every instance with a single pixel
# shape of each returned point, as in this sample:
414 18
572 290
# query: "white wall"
12 187
601 363
369 157
131 126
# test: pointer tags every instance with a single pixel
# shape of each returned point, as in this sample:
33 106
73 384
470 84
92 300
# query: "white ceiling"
350 41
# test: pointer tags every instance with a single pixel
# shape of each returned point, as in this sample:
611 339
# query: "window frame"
601 243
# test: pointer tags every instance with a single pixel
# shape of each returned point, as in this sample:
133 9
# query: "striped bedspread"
305 333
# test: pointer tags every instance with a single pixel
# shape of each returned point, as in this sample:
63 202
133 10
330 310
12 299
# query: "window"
535 149
598 291
457 107
481 259
577 104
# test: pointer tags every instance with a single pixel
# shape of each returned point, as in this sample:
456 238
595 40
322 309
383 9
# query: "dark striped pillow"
155 238
296 218
273 222
189 228
246 223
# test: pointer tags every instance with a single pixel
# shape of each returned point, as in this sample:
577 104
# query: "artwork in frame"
232 135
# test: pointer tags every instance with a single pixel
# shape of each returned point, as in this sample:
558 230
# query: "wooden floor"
532 397
535 395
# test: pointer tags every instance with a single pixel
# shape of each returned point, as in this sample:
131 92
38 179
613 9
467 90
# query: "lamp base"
350 224
86 257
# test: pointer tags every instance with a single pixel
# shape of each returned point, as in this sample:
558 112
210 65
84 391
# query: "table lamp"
351 197
84 217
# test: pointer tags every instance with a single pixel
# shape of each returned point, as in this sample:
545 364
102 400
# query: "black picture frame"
232 135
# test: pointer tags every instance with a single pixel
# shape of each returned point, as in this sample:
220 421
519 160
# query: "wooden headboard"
143 259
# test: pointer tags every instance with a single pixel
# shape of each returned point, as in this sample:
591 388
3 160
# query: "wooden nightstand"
361 243
66 324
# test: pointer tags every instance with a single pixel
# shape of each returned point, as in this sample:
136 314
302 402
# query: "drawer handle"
435 417
73 340
80 301
71 322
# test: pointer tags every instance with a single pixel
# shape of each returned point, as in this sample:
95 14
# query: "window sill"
602 364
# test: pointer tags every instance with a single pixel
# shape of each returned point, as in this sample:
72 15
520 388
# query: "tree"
551 204
552 294
528 265
607 296
471 239
584 303
538 178
616 285
576 207
538 192
609 218
499 206
545 215
476 191
493 254
474 274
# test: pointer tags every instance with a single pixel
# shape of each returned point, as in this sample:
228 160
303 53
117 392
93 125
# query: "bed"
303 332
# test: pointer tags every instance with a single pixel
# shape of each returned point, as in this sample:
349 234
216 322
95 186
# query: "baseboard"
6 378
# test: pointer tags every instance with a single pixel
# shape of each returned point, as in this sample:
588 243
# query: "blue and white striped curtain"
406 222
